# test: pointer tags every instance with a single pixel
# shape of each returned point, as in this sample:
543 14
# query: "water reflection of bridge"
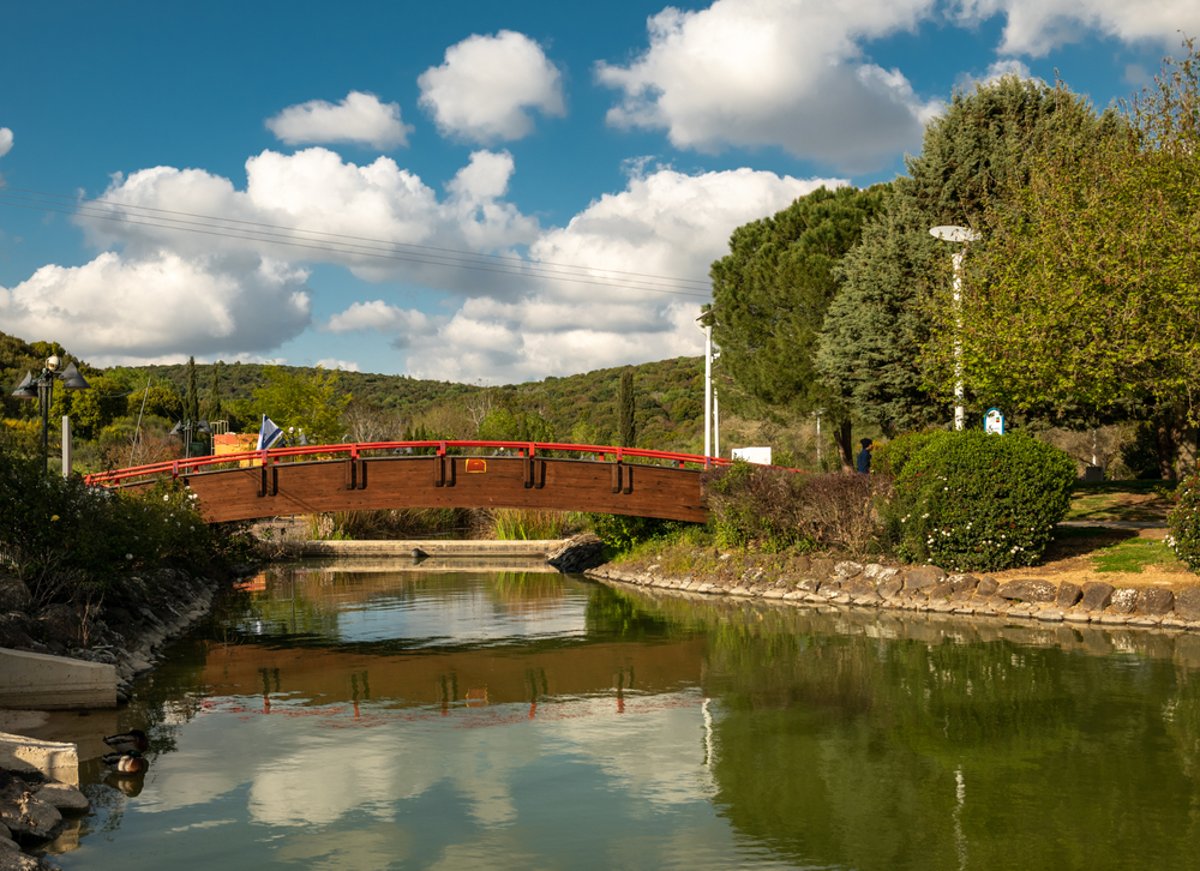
452 678
549 646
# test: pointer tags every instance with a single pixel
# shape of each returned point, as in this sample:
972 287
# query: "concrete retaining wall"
38 680
433 547
57 760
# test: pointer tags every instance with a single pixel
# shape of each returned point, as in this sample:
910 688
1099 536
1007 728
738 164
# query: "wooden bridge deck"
309 481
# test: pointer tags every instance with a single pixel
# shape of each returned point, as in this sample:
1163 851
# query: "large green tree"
1093 284
986 143
308 400
770 295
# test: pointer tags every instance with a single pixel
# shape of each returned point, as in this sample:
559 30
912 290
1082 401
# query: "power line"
349 245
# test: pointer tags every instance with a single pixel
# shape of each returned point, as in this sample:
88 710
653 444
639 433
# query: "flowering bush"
1183 522
66 540
970 501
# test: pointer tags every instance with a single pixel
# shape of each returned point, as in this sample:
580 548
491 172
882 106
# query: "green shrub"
68 541
776 510
621 532
979 502
1183 523
890 458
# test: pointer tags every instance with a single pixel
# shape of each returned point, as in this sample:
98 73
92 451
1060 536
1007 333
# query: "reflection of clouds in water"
302 770
657 754
470 614
325 775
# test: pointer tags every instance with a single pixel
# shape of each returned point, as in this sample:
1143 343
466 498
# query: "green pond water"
327 718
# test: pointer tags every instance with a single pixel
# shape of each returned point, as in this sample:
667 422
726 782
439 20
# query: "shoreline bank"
825 581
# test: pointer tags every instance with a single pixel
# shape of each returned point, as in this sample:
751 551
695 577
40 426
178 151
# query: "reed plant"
530 524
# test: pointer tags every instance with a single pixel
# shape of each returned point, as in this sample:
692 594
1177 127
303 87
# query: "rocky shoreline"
127 635
822 581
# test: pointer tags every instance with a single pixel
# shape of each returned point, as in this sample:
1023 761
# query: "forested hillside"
140 404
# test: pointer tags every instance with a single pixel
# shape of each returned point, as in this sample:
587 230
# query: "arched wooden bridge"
435 474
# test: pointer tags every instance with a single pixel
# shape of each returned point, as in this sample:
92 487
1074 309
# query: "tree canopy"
987 143
771 292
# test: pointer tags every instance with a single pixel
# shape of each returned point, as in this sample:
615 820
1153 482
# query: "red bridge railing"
191 465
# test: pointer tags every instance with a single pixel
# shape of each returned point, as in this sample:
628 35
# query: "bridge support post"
268 480
535 473
622 478
443 471
356 474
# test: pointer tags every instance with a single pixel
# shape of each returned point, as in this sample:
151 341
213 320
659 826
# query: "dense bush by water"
1184 522
64 545
776 509
979 502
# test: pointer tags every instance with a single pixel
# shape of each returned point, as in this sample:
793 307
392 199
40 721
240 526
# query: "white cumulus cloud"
160 307
488 87
377 219
612 305
6 141
784 73
465 285
1034 27
360 117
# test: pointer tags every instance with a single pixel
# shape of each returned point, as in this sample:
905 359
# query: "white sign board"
762 456
993 421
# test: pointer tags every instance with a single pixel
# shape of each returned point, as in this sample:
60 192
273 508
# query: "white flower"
128 556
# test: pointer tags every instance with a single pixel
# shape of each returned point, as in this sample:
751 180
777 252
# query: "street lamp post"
955 233
185 428
41 388
705 322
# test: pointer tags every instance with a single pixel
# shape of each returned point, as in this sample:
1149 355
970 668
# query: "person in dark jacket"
863 462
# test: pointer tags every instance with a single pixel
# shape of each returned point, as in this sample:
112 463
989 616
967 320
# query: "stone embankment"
930 589
127 634
31 811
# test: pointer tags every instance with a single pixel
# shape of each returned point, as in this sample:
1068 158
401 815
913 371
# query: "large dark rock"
58 623
1028 590
1096 595
923 577
859 586
578 554
14 631
25 814
14 595
1187 603
1155 600
1068 594
941 590
987 586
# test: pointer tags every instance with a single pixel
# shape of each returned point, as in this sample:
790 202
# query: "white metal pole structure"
955 233
716 430
705 323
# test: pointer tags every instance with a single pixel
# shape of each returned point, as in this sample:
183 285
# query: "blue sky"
471 191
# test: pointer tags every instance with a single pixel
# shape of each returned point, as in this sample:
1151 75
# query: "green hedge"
970 501
1183 523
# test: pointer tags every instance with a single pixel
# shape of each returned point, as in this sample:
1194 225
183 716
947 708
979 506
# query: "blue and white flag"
268 434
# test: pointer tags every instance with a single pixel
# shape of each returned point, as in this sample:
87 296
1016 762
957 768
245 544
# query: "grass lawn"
1132 501
1118 551
1135 555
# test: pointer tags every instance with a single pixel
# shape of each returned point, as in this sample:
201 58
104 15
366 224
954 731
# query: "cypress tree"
626 403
